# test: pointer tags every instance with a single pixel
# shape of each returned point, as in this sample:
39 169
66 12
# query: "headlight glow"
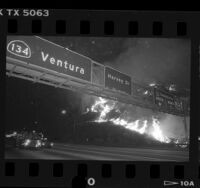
38 143
27 142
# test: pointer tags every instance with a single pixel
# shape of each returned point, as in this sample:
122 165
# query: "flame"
157 132
104 106
101 106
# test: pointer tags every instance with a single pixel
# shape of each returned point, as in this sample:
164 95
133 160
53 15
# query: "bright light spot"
176 141
119 121
172 87
27 142
11 135
8 135
38 143
152 84
63 112
183 145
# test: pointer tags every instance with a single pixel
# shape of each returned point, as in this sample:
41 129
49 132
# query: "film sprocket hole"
102 98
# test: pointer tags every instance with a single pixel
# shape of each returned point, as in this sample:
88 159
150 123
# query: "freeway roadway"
86 152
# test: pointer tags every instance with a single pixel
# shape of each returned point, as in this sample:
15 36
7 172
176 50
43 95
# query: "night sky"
37 106
161 60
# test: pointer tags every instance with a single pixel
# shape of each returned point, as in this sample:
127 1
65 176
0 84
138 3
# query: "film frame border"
107 24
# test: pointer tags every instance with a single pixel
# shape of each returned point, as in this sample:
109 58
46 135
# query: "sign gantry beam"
41 61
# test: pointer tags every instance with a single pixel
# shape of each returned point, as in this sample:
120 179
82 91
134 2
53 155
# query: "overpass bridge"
41 61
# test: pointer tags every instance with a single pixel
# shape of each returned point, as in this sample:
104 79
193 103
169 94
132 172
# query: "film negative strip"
99 98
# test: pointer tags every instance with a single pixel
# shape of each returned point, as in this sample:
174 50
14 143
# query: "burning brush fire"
104 107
